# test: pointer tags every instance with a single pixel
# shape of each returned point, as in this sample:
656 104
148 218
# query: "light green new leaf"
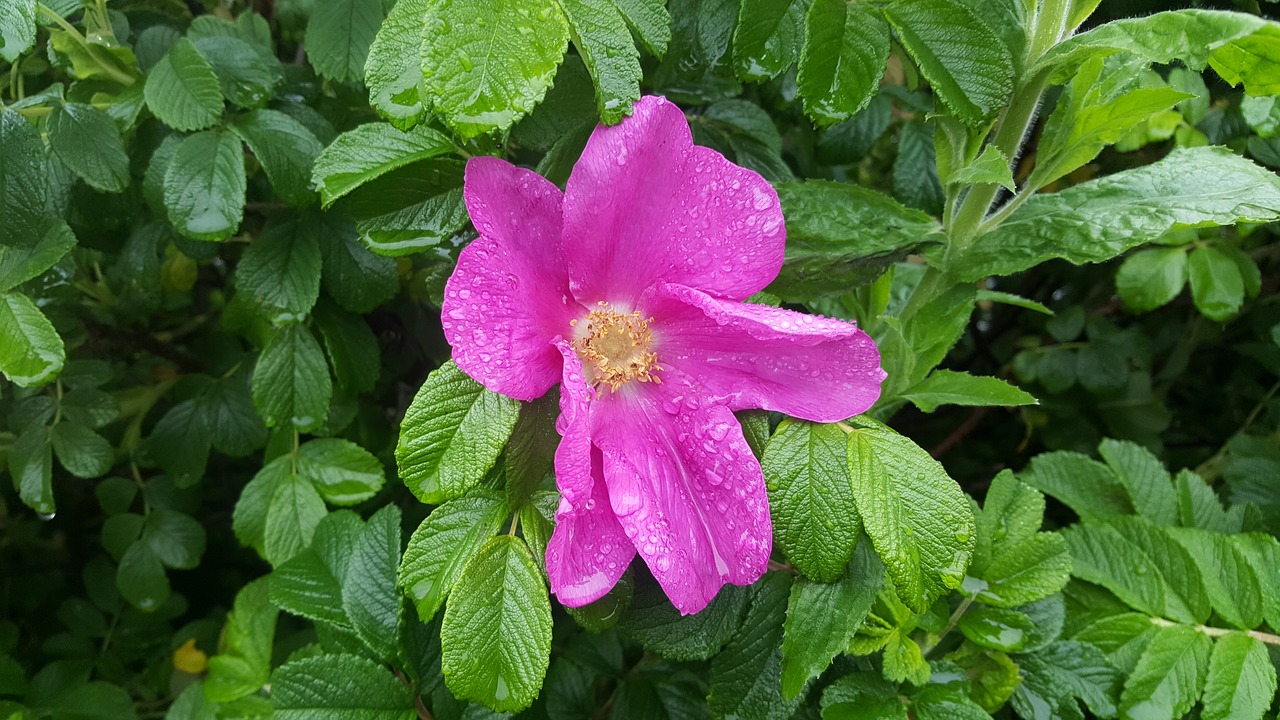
745 677
1011 513
821 618
393 71
1097 220
86 140
343 472
1229 579
1185 598
182 90
204 186
369 151
443 544
496 635
992 166
17 28
967 64
1025 572
1101 555
815 521
451 434
339 687
1150 278
917 517
339 35
285 148
488 64
22 262
603 40
1241 681
767 38
32 353
1217 287
1085 485
951 387
1149 485
1169 676
845 50
243 663
280 271
291 385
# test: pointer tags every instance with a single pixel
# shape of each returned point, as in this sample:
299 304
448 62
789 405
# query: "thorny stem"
1258 635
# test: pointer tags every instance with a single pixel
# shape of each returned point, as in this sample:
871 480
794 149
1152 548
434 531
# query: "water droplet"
47 516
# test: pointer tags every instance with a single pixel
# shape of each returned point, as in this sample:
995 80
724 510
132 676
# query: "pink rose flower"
628 289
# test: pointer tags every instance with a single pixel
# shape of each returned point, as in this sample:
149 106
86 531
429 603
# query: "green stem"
1258 635
107 68
951 622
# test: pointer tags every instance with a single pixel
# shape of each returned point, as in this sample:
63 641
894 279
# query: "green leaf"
141 579
339 35
656 624
821 618
1199 506
22 262
83 452
310 583
488 64
94 701
915 169
862 696
1144 477
1085 485
24 169
291 385
175 538
32 353
991 167
339 687
1251 60
353 276
1263 554
967 64
204 186
1027 571
280 271
844 55
917 517
443 544
1011 513
285 148
1099 219
412 208
1216 284
17 28
950 387
531 450
1241 681
650 21
1101 555
815 521
767 38
243 663
393 71
1185 595
86 140
351 346
602 38
1061 671
746 130
31 467
246 77
294 511
180 443
452 434
1232 586
496 634
1149 279
370 151
841 235
369 593
1169 676
746 677
249 519
996 628
182 90
343 472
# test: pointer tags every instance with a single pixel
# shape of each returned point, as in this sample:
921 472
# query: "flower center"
616 346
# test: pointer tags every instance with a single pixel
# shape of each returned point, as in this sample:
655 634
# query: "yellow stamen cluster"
615 346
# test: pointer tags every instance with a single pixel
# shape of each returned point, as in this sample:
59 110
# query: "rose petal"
509 296
685 487
755 356
643 204
588 551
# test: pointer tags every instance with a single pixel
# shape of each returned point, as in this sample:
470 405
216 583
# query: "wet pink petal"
509 296
685 487
644 204
588 551
755 356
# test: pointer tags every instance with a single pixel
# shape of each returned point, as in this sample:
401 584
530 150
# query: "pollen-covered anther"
616 346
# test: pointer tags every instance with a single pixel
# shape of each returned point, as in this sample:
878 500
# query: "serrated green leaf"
1061 671
600 34
487 65
1099 219
180 443
410 209
1262 552
204 186
370 151
182 90
285 148
17 28
1085 485
530 454
767 38
22 262
917 517
1216 284
443 544
1011 513
1169 676
830 242
83 452
821 618
746 677
950 387
1123 637
451 434
650 21
356 278
967 64
280 271
31 467
246 77
1229 579
393 70
86 140
656 624
1241 682
844 55
815 520
291 385
96 700
915 169
1185 596
862 696
996 628
23 172
339 687
1199 506
1144 476
32 353
1149 279
496 634
310 583
351 346
343 472
141 579
243 663
1101 555
369 593
292 514
339 35
1027 571
249 519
